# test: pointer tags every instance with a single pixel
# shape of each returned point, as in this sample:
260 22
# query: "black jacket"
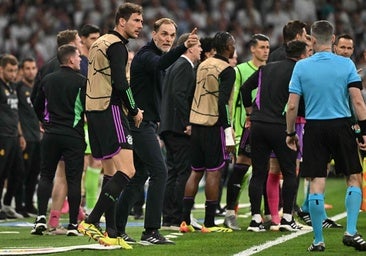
60 102
272 95
147 70
51 66
178 89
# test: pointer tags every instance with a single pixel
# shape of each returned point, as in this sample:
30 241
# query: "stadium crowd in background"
29 27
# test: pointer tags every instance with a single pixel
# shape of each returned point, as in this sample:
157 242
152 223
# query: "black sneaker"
39 225
267 224
256 227
127 239
31 210
328 223
23 212
2 216
355 241
11 213
320 247
72 230
304 216
154 237
289 226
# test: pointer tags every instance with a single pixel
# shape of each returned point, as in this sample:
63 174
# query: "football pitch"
15 237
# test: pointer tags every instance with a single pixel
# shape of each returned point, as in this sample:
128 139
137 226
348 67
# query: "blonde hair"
162 21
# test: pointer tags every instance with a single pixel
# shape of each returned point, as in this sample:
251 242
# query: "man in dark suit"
175 130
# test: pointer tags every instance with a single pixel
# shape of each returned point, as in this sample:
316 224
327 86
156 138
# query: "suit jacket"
178 89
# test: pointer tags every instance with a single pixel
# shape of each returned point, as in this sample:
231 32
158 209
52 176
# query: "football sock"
316 209
54 219
305 205
188 203
108 196
234 185
273 195
91 186
353 203
210 208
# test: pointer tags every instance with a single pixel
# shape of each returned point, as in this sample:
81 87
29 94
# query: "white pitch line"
258 248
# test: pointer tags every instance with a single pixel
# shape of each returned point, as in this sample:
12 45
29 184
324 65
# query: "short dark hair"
88 29
182 38
291 29
8 59
26 59
125 10
206 45
257 37
295 48
345 36
220 40
64 52
66 37
323 31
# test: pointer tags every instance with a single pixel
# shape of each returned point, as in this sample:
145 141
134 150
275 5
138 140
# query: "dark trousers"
11 168
179 168
71 149
149 163
32 167
264 138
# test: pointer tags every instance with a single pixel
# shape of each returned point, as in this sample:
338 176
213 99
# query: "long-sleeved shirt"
117 52
178 88
272 81
147 69
60 102
107 81
8 109
27 117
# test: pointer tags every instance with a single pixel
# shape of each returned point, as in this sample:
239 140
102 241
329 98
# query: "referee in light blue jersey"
327 82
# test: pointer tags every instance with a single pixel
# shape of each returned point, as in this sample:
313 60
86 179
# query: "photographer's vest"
99 85
205 109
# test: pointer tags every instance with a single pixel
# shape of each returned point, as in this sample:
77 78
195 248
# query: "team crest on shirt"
27 94
7 93
248 149
2 152
129 139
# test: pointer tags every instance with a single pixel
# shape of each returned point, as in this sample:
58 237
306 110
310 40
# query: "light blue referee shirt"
322 80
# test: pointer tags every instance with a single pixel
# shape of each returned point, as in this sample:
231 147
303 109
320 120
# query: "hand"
41 128
192 39
231 149
138 118
362 145
22 142
188 130
248 123
293 142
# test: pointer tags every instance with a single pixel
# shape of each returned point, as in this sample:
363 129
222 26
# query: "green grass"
207 244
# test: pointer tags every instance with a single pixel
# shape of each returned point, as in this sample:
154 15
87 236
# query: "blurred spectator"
41 21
